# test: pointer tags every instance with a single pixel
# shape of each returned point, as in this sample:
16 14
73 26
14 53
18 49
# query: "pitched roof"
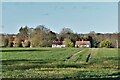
82 42
58 42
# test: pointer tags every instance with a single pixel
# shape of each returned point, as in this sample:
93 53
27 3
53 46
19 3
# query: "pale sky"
81 17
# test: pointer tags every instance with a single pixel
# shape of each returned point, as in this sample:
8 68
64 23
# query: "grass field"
60 63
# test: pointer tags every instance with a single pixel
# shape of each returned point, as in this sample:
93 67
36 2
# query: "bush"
106 44
69 44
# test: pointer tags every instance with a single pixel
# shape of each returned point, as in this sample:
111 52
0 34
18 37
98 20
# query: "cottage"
58 44
82 44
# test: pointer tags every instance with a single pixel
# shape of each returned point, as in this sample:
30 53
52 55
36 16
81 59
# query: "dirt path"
71 56
90 55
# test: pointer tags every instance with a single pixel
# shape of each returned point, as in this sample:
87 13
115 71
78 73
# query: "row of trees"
43 37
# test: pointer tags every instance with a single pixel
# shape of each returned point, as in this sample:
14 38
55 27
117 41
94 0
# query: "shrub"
106 44
70 44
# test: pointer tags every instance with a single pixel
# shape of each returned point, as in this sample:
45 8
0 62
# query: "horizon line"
75 32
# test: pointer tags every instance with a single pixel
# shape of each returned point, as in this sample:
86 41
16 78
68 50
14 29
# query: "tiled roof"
82 42
58 42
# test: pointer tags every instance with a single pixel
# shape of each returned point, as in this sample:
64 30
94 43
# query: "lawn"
60 63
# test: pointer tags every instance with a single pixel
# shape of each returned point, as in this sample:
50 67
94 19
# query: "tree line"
41 36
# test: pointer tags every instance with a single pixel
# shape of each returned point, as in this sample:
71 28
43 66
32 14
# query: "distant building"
82 44
58 44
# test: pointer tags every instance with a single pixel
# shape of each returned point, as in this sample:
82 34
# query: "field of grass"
60 63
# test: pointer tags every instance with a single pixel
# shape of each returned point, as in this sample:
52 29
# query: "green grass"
52 63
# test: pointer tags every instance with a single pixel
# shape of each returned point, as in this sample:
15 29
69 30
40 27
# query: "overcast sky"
81 17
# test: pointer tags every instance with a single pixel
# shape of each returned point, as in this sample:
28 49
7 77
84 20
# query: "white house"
58 44
82 44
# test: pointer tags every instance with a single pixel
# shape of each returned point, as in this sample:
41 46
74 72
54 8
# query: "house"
63 44
58 44
82 44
